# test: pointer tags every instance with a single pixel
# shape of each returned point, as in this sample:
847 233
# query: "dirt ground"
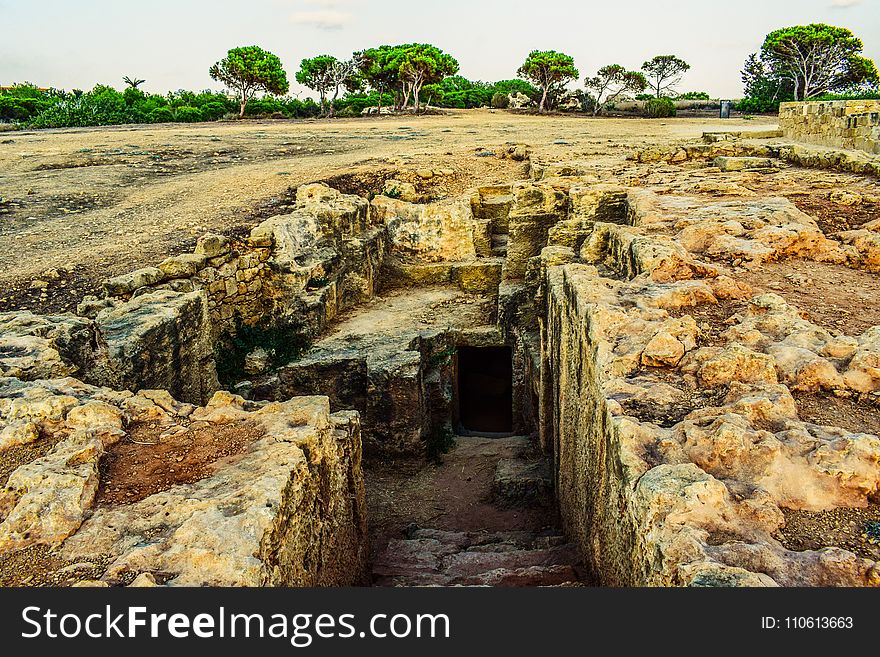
835 297
453 495
148 460
856 530
79 205
852 414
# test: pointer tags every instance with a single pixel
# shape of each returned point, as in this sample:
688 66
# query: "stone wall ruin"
663 385
851 124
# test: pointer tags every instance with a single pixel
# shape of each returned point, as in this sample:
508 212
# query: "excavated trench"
458 491
512 359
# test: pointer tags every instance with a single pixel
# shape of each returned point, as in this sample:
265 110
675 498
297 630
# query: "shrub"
861 95
213 111
188 114
694 95
500 100
760 105
644 96
285 340
659 108
264 107
160 115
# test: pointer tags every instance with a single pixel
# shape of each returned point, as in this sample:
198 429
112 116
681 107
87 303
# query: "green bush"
161 115
644 96
659 108
757 106
188 115
285 341
500 100
213 111
694 95
862 95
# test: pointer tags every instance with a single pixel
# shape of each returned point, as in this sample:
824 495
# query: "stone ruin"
853 124
662 385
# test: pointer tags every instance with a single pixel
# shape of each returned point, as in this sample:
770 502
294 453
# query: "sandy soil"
835 297
453 495
95 202
146 462
856 530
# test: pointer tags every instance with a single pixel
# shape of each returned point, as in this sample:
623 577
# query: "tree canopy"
817 59
325 73
613 80
421 64
248 70
549 70
405 70
664 72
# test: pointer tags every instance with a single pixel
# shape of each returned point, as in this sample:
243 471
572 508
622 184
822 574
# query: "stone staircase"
498 529
431 557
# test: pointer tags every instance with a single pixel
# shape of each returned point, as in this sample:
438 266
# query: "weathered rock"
743 163
128 283
158 340
212 245
183 266
432 232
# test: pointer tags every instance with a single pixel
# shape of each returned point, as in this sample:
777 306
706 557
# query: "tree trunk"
416 98
333 103
543 100
242 105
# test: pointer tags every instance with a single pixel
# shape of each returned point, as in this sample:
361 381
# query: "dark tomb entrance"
485 390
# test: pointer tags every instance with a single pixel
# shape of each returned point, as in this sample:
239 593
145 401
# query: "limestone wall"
850 124
287 510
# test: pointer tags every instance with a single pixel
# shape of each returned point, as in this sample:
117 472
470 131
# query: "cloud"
326 15
843 4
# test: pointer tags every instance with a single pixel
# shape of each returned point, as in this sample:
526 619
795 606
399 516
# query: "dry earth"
85 204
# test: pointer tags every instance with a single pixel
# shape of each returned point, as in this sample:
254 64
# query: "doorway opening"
485 390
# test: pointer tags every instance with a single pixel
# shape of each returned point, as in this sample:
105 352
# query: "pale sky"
172 43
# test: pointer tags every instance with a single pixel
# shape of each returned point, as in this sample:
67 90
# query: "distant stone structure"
839 123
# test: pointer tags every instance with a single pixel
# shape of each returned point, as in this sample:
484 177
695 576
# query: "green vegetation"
664 72
610 82
284 341
500 101
24 101
413 71
660 108
248 70
694 95
324 74
815 61
550 71
818 59
440 442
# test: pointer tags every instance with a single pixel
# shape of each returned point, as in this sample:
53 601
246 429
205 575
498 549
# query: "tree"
377 69
344 74
614 80
248 70
764 87
405 70
664 72
319 75
550 70
421 64
817 59
133 83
